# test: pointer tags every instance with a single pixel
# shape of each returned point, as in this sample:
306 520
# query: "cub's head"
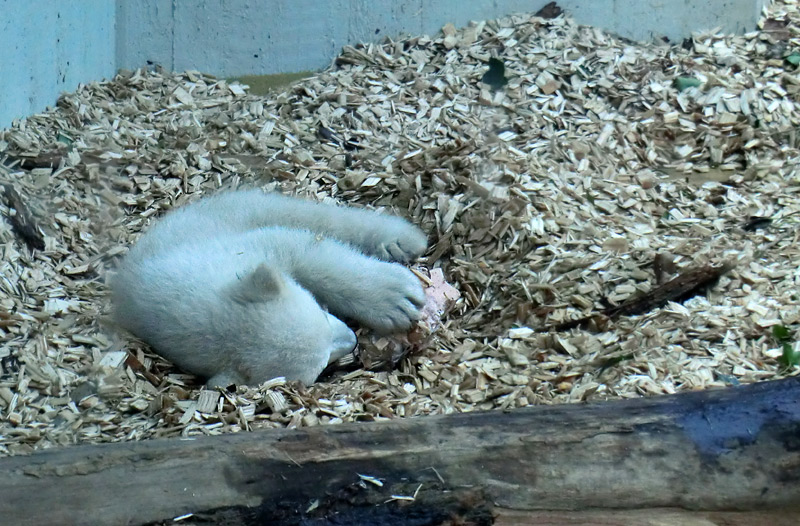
277 328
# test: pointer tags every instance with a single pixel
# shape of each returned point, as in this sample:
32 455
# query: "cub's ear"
260 284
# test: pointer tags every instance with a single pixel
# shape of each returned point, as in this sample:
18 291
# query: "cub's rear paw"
402 242
394 301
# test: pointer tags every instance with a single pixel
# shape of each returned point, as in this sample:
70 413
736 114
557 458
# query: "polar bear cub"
245 286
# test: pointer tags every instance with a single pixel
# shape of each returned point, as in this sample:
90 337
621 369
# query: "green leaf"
614 360
789 358
682 83
781 333
793 59
63 138
495 76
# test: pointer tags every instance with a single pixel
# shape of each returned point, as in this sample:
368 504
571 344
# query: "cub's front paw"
400 241
395 301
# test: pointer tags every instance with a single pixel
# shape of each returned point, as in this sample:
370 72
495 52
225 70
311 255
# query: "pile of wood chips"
546 200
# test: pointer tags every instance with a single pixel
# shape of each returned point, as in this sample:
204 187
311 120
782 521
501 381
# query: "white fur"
229 287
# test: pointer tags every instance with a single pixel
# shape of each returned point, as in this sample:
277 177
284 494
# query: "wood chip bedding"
600 164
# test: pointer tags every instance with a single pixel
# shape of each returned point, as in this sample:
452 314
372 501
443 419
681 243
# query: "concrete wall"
50 46
238 37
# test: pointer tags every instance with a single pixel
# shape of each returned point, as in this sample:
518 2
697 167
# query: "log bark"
22 220
728 456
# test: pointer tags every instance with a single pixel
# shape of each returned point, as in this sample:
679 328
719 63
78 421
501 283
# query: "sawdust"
546 200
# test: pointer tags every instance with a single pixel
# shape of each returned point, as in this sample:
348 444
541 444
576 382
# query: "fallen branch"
686 285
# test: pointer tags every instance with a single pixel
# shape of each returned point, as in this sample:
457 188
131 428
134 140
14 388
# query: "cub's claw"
403 244
400 303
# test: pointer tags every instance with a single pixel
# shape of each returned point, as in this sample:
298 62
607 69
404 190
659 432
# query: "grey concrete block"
235 37
50 47
145 33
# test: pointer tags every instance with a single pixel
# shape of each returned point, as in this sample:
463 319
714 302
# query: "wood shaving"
545 200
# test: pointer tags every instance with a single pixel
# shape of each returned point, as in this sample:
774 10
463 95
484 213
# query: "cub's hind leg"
387 237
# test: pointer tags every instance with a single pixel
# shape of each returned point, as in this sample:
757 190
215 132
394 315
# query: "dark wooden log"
727 456
650 517
22 220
